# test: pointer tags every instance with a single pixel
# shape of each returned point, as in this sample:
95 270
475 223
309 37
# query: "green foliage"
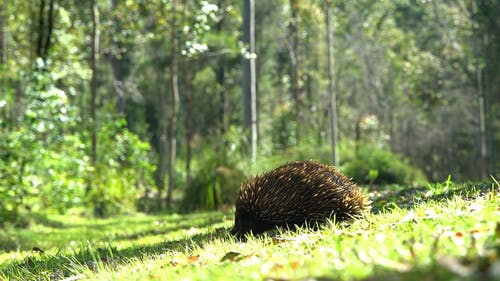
122 171
424 79
408 75
284 129
213 186
371 161
42 163
197 27
216 182
60 176
369 165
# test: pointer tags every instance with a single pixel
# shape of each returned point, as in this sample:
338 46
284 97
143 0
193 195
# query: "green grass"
440 232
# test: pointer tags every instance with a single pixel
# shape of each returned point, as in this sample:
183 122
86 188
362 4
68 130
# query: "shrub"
216 182
369 165
214 185
41 162
121 171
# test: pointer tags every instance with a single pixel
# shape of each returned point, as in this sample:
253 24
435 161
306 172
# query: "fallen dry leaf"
193 258
174 263
231 256
294 264
279 240
278 266
37 250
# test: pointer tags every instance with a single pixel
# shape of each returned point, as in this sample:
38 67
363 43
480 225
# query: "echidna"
296 194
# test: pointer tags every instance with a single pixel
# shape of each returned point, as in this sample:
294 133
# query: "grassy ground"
440 232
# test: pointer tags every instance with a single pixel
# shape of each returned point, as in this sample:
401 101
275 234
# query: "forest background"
114 105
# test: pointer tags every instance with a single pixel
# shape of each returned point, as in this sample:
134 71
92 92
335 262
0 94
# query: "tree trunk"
117 65
331 86
174 105
3 32
221 80
483 162
44 29
189 119
249 76
488 110
161 169
94 49
50 27
94 36
41 24
294 69
188 70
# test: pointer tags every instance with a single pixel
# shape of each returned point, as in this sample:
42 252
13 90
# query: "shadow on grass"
407 198
91 254
164 230
112 221
59 233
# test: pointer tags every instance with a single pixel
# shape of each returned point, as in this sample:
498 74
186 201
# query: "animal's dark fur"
295 194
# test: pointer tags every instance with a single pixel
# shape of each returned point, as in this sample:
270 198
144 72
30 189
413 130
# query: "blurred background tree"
112 105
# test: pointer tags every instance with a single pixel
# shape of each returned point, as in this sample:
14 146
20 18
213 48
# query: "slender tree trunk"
483 153
94 13
117 65
295 64
187 69
50 27
161 169
488 110
3 51
94 49
44 29
189 119
41 27
279 97
174 106
331 86
161 108
221 80
3 32
249 76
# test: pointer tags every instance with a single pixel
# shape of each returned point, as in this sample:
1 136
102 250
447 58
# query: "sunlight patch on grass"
455 236
439 240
